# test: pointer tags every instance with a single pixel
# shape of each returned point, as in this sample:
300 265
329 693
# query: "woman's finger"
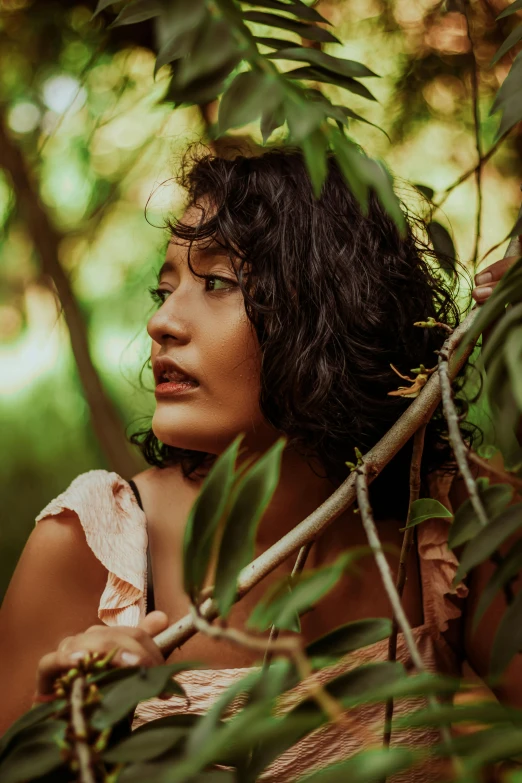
493 272
154 622
131 652
482 293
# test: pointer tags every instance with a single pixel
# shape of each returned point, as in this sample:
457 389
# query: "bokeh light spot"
24 117
63 93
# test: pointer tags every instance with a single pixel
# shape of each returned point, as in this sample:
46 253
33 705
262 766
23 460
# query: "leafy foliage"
212 51
208 49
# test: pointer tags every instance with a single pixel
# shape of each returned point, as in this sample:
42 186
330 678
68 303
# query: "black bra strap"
150 585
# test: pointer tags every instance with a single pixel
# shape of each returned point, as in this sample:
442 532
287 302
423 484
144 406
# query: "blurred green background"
81 106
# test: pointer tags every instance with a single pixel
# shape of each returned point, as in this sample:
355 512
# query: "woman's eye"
158 295
213 283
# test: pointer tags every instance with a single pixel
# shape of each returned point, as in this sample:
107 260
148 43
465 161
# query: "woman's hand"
486 280
136 648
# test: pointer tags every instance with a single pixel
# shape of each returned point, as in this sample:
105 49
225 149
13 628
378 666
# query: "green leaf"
303 117
284 736
511 115
368 766
260 744
419 685
177 30
497 340
213 49
352 163
466 525
250 93
278 605
29 719
202 90
513 357
482 546
444 714
271 120
511 9
508 290
141 746
510 87
102 5
381 181
508 638
443 246
352 636
35 753
425 190
308 31
201 735
250 501
512 39
123 696
316 57
365 684
487 450
426 508
204 518
274 43
298 9
314 149
322 75
352 115
493 745
177 47
137 11
362 173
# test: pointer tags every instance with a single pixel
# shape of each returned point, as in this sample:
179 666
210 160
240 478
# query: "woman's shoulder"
115 530
94 496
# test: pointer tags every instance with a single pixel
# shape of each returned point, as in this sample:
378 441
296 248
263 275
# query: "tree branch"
417 414
46 241
395 600
297 569
409 535
484 159
476 125
289 647
459 447
81 746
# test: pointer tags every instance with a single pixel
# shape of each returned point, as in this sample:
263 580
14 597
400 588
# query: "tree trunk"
105 419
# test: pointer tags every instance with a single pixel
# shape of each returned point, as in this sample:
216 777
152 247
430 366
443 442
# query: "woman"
277 314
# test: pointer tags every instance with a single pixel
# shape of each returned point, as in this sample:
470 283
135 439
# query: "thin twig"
363 501
370 528
508 478
476 125
418 413
81 746
484 159
460 449
297 569
409 534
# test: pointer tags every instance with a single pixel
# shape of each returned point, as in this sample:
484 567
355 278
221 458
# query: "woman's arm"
54 593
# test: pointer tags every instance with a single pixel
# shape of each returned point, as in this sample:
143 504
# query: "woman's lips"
170 388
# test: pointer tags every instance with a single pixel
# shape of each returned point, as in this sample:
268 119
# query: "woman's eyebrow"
168 266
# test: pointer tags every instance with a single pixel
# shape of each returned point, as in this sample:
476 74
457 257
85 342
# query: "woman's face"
202 326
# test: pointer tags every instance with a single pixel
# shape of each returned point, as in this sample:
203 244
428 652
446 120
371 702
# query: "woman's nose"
167 323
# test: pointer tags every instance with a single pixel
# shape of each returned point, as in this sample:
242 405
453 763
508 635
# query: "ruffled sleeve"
438 563
116 530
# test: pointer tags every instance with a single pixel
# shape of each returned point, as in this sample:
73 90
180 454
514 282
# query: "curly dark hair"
333 295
